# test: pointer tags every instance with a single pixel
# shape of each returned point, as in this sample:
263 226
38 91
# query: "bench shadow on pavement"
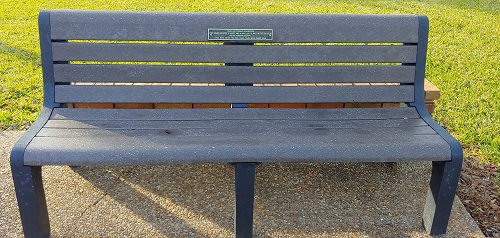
292 199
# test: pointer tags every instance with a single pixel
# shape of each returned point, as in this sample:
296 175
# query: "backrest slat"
99 25
228 94
233 53
234 74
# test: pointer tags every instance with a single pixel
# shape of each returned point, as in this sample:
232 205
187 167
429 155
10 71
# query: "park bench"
247 71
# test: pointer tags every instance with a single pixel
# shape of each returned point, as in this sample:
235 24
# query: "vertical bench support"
440 196
244 190
445 175
31 200
28 184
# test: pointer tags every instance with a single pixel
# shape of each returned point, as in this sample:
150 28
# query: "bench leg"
443 185
31 200
244 190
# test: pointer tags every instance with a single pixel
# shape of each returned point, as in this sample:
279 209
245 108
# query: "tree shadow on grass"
26 56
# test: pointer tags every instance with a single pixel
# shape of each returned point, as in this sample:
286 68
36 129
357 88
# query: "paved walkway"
292 200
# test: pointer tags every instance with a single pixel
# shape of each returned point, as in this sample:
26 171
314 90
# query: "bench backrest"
132 57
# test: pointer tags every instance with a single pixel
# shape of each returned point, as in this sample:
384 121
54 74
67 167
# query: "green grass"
463 59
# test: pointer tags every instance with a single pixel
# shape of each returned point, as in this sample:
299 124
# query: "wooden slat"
233 74
211 105
325 105
231 94
362 105
431 92
93 105
134 105
391 104
174 124
193 26
172 105
234 114
231 53
258 105
430 107
287 105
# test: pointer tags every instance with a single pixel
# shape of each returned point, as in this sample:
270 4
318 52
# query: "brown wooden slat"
430 107
287 105
134 105
325 105
172 105
387 104
211 105
93 105
431 92
258 105
362 105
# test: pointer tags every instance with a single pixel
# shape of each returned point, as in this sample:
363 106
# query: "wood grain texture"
287 105
173 105
325 105
134 105
362 105
258 105
211 105
431 92
93 105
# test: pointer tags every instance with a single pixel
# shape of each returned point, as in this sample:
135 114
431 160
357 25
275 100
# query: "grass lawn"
463 58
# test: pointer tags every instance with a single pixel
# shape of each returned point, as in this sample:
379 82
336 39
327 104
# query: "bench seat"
139 136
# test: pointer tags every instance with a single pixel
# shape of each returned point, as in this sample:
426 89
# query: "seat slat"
337 134
288 28
234 114
127 150
249 124
232 53
233 74
231 94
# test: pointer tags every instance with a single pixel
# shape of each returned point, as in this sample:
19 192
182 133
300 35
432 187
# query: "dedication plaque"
240 34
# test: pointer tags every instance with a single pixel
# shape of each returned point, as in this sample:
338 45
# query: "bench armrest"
17 153
455 146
